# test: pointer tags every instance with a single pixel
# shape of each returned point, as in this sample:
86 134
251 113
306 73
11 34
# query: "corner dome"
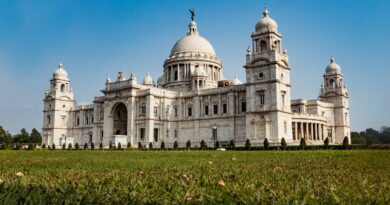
266 23
148 80
60 73
333 67
236 81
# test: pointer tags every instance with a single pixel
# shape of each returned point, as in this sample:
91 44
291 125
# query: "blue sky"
97 38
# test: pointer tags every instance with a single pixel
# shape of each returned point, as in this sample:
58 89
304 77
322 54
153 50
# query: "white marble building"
193 101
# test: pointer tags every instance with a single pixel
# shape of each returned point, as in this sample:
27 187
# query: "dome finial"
332 59
265 12
192 27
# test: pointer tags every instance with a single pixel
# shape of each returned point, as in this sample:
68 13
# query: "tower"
268 113
333 90
58 102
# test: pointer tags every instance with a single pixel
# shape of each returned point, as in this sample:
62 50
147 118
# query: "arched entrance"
120 119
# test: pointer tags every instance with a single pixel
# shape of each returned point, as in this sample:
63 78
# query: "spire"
192 27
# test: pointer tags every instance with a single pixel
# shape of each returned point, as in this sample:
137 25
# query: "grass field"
196 177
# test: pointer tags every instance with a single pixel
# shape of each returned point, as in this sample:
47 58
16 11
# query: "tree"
70 146
326 143
64 146
188 145
202 145
22 137
175 145
217 144
76 146
43 146
232 145
162 145
5 137
92 146
35 136
30 146
85 146
266 144
345 143
302 144
119 146
358 138
139 145
247 144
150 145
283 144
53 146
128 145
101 146
16 146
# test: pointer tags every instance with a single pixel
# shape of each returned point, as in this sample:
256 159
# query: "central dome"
193 43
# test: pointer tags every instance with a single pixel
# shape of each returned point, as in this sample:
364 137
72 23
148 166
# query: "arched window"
332 83
263 46
62 87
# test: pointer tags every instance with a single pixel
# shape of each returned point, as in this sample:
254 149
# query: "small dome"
60 73
148 80
266 23
236 81
333 67
200 72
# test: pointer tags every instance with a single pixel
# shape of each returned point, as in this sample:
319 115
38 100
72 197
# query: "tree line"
371 136
23 137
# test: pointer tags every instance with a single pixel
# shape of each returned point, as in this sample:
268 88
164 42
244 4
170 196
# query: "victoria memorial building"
192 101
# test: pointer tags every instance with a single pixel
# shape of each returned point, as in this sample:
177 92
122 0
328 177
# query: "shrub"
30 146
119 146
232 145
110 146
128 145
247 144
202 145
43 146
217 144
53 146
1 146
76 146
326 143
101 146
70 146
85 146
16 146
266 144
283 144
139 145
302 144
345 142
175 145
162 145
64 146
150 145
188 145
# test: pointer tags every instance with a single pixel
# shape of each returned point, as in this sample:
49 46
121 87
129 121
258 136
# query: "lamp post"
214 134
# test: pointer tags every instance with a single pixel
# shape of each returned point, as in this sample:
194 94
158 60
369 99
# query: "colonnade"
308 131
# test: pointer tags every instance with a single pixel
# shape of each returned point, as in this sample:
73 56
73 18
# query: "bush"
175 145
326 143
266 144
188 145
139 145
64 146
16 146
345 142
128 145
232 145
162 145
70 146
110 146
53 146
247 144
85 146
101 146
283 144
30 146
150 145
76 146
119 146
43 146
302 144
202 145
217 144
92 146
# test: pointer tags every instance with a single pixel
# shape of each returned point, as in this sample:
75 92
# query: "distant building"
193 101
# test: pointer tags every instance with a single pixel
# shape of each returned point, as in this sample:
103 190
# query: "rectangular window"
155 134
189 111
283 98
92 120
224 108
78 122
155 111
262 97
167 133
63 121
86 121
285 127
142 110
175 111
142 133
175 133
215 109
206 110
243 106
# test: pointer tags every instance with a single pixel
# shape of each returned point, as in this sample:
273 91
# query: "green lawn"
200 177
